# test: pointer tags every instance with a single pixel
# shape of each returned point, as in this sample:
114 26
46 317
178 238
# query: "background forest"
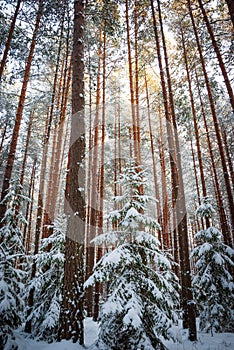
116 170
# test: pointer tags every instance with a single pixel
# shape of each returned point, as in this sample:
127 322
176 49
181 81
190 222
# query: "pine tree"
142 296
12 268
212 282
47 284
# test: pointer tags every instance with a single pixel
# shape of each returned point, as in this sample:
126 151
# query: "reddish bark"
19 114
217 51
215 120
10 35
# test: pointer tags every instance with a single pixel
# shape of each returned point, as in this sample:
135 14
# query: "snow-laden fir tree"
47 284
142 289
212 282
13 271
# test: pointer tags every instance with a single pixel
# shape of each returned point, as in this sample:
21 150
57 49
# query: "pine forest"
116 174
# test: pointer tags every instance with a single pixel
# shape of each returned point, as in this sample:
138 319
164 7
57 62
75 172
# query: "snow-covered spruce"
142 296
12 268
212 282
47 284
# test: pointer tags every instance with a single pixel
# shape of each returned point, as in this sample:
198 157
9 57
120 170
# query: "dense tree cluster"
87 88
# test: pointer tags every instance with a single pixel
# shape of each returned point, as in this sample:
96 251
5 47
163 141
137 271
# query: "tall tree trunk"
172 155
135 131
166 229
94 210
136 102
52 200
102 175
26 148
199 153
19 114
220 202
156 187
189 316
196 181
71 317
8 43
215 119
218 54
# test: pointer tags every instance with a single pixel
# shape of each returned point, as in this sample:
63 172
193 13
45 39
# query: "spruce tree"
212 282
142 295
47 284
12 268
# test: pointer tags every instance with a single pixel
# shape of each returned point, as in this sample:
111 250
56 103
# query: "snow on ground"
221 341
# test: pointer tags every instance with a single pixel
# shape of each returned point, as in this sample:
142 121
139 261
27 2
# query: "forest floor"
221 341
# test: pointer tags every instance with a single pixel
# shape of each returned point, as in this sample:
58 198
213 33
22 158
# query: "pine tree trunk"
196 181
102 177
8 43
189 316
94 210
166 229
215 120
71 316
199 153
220 202
218 54
19 114
156 187
134 129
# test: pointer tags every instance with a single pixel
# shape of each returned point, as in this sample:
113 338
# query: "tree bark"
215 120
94 200
156 187
189 315
223 218
196 131
218 54
71 317
134 129
19 114
8 43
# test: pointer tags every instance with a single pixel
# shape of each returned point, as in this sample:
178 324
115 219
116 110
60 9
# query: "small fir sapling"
212 282
13 267
47 284
143 296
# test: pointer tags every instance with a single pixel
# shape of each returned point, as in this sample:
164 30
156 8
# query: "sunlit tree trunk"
134 128
156 187
19 114
189 313
199 153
